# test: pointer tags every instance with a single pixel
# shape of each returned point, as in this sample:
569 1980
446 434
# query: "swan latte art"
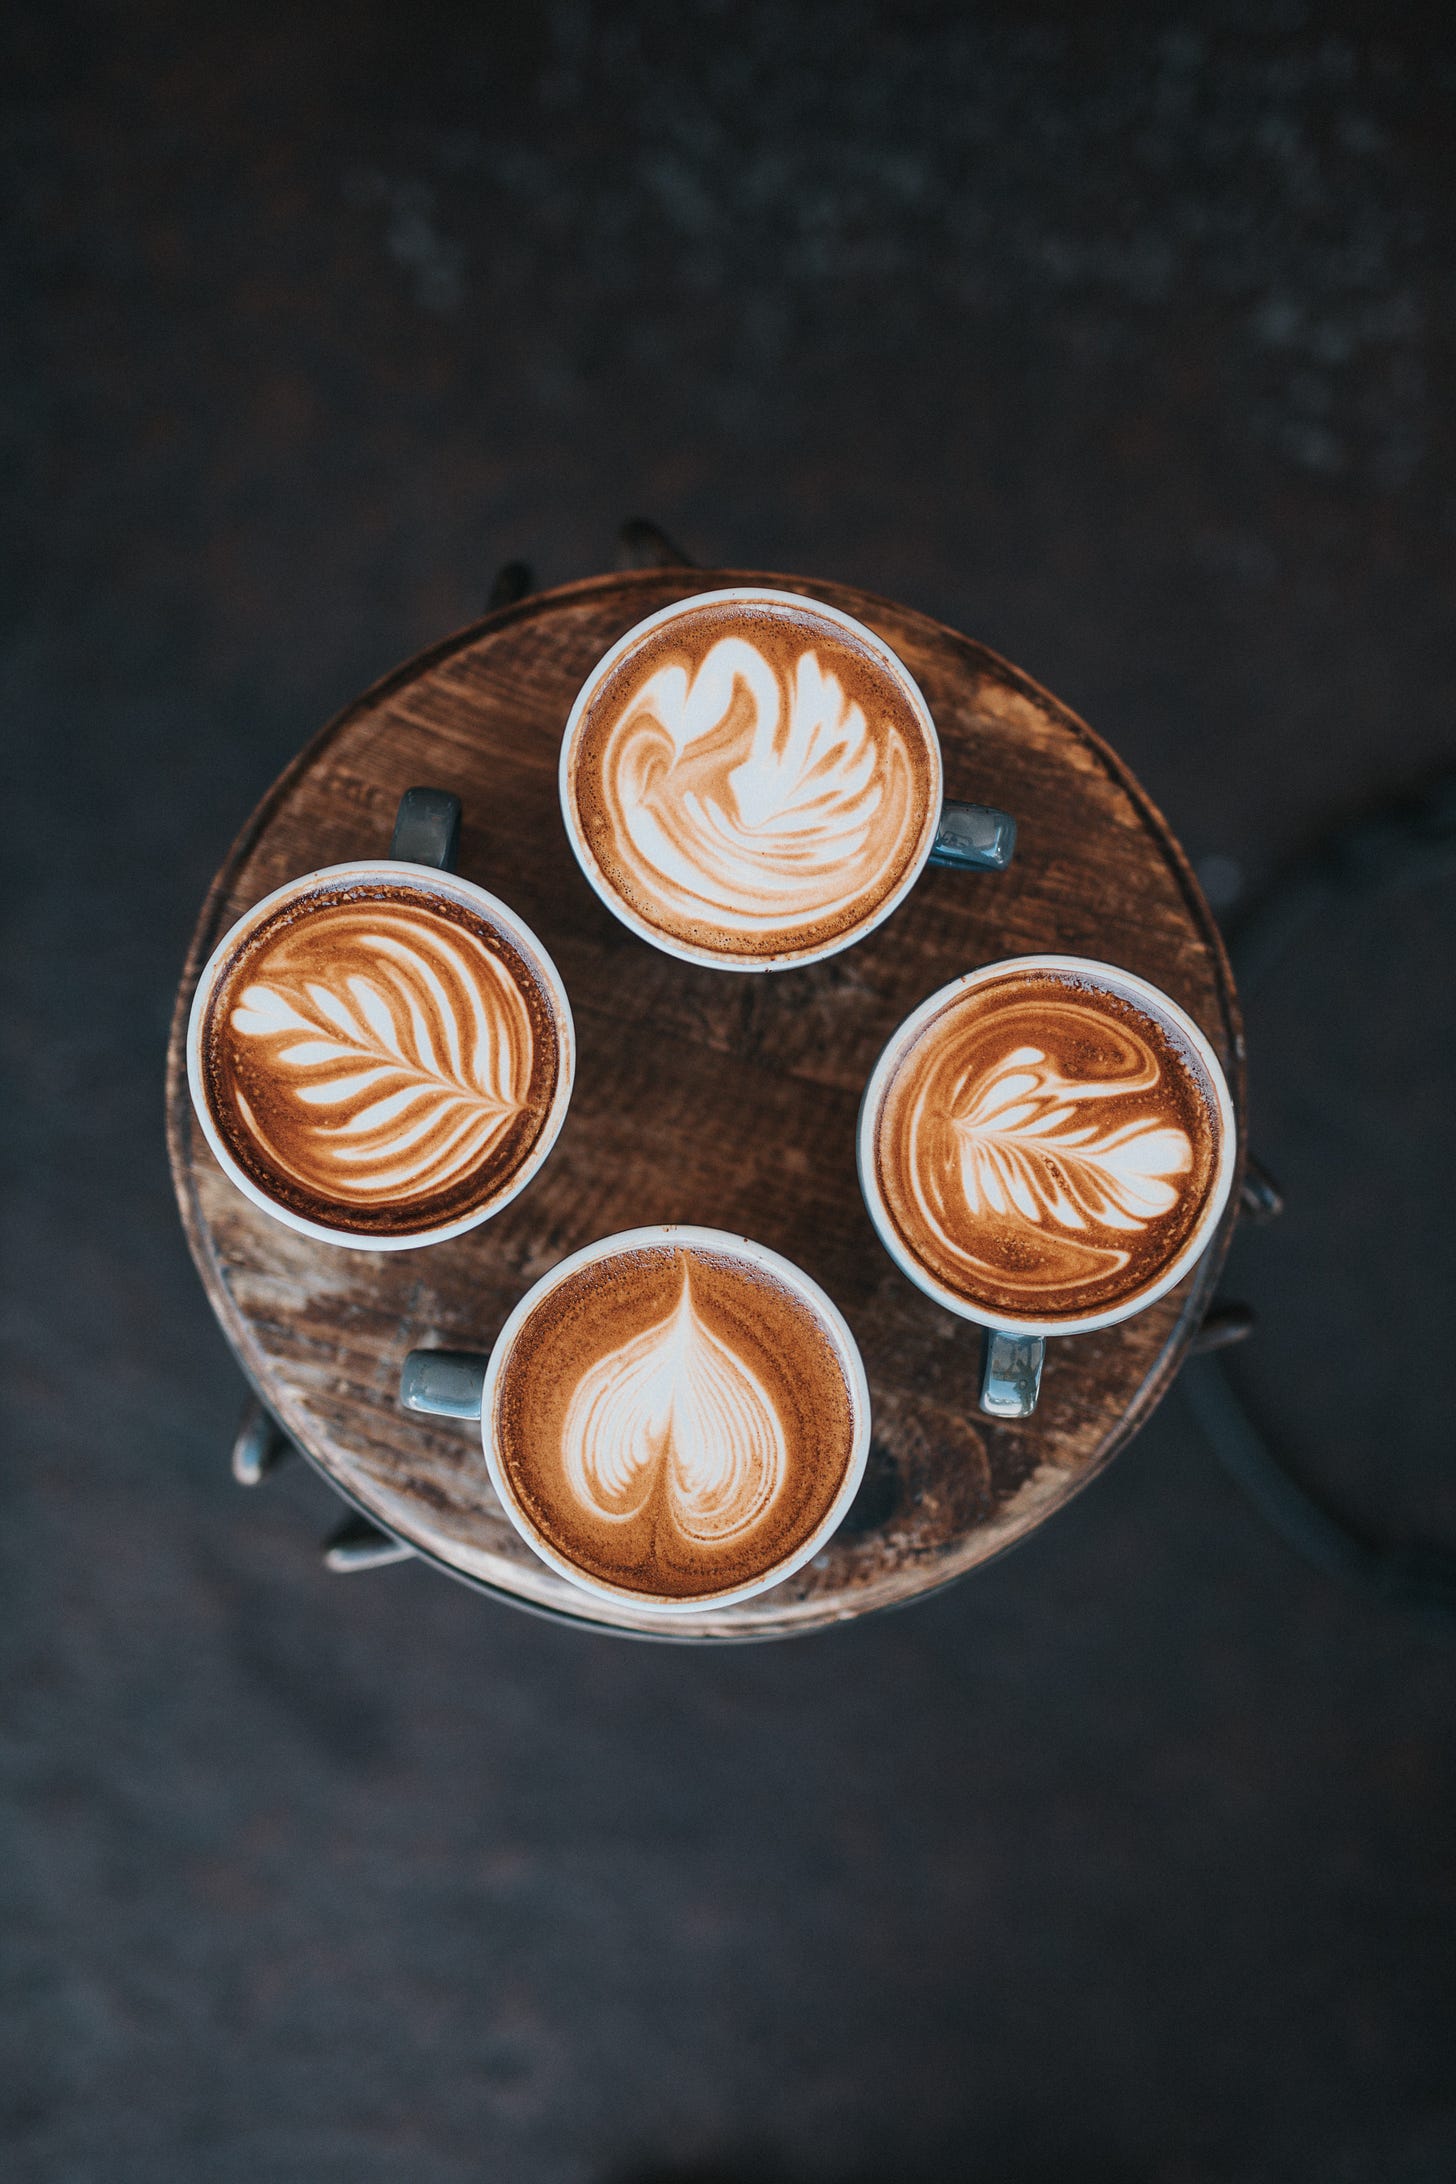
751 780
381 1058
1044 1149
674 1420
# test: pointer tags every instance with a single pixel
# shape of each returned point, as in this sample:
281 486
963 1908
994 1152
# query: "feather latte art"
1043 1147
673 1418
752 781
381 1057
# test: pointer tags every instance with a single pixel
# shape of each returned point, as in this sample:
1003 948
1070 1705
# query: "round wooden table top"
704 1097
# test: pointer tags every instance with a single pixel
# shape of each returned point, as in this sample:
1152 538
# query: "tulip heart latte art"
382 1058
751 780
1044 1149
675 1420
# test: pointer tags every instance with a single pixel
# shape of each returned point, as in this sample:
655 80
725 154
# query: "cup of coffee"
752 780
675 1418
380 1053
1045 1147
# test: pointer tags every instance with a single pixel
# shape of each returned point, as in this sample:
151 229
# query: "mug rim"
398 871
731 1244
1130 987
691 951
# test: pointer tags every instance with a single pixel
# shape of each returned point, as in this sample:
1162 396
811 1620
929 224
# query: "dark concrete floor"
1120 338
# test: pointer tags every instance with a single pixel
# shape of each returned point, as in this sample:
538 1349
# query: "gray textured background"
1121 338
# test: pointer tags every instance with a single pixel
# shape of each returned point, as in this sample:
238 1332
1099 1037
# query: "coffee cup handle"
1011 1374
974 837
427 828
444 1383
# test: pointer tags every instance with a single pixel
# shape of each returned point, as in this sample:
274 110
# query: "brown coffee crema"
1044 1149
380 1059
674 1421
751 780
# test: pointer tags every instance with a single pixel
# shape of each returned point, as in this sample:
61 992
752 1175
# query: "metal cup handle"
1011 1374
444 1383
974 837
427 828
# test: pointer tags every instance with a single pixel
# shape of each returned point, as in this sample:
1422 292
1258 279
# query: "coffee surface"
674 1420
1044 1148
379 1058
752 781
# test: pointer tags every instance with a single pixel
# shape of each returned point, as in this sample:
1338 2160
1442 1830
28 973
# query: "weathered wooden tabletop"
704 1097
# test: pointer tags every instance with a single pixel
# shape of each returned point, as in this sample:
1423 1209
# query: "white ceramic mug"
423 848
1015 1344
970 837
465 1384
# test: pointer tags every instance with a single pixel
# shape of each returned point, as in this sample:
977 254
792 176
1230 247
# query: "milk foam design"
405 1071
675 1413
1025 1149
1012 1169
762 802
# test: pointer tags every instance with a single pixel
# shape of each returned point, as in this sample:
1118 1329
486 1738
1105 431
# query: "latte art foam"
380 1058
753 781
673 1421
676 1413
1043 1148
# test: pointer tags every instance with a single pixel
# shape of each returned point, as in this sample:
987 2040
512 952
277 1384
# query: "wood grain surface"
707 1097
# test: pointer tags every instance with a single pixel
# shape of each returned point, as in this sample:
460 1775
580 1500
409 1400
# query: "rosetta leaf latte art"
400 1075
676 1414
1027 1151
756 800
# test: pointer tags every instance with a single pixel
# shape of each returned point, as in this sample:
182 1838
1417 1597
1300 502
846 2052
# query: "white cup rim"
889 659
793 1277
394 871
1129 987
